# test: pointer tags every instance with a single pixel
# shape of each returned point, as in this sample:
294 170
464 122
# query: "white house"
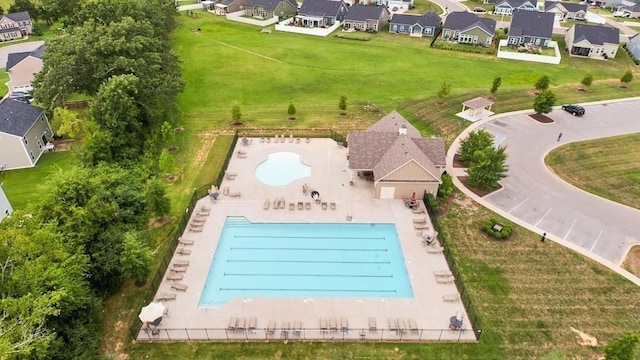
5 207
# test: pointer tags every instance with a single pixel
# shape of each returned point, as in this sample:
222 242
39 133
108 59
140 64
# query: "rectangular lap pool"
306 260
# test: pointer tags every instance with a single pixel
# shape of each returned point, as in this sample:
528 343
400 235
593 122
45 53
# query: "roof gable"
391 123
270 5
531 23
565 6
426 20
463 21
402 151
596 34
320 7
19 16
14 58
515 3
16 118
365 12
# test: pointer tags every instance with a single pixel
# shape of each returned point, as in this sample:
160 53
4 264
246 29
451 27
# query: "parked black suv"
575 110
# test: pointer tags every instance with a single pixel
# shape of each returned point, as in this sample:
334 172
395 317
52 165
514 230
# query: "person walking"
559 136
544 236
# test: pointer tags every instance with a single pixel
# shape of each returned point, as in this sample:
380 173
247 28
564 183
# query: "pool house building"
394 156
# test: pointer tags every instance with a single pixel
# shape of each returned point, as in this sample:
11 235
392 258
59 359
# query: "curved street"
19 47
534 197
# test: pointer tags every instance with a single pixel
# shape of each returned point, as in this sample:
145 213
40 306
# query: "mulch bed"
541 118
457 163
465 181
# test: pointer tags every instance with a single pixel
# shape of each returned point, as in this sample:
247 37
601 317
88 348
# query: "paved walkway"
535 198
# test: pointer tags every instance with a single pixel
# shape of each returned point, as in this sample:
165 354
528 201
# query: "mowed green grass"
607 167
228 63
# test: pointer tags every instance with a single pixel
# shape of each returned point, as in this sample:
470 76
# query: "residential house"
468 28
399 161
25 134
15 26
566 10
415 25
609 4
224 7
530 28
634 46
5 206
593 41
22 67
367 18
318 13
266 9
507 7
632 11
396 5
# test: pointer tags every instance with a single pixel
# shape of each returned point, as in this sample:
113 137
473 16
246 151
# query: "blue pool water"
306 260
282 168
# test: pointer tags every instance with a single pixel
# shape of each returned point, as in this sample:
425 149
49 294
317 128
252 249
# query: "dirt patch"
464 201
207 138
457 163
179 129
480 192
541 118
584 338
533 92
160 221
632 262
172 148
63 145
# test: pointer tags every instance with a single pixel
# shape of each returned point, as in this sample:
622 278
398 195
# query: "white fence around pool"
530 57
238 16
285 25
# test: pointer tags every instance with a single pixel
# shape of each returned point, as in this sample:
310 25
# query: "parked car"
621 14
479 10
575 110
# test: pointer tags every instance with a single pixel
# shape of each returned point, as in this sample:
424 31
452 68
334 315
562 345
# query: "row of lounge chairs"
403 326
241 324
227 192
281 139
331 324
199 219
280 203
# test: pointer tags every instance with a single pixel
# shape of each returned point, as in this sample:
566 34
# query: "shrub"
432 202
496 229
446 188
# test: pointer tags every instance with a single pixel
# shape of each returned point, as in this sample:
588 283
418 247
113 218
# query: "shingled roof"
320 8
515 3
14 58
463 21
426 20
364 12
383 148
19 16
269 5
16 118
532 23
570 7
596 34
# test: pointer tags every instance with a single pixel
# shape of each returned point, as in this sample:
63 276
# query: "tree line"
77 243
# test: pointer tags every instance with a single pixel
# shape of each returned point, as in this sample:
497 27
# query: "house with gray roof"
223 7
15 26
22 68
633 46
468 28
319 13
415 25
366 18
396 158
566 10
397 4
530 28
507 7
5 206
633 11
592 41
25 134
266 9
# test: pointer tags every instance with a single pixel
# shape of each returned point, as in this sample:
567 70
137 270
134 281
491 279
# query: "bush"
432 202
446 189
496 229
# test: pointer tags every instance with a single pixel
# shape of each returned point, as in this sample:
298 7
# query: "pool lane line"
309 261
309 275
306 249
315 290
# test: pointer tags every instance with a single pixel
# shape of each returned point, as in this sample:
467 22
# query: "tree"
544 102
587 80
446 188
624 348
166 162
487 168
626 77
496 84
167 133
477 140
236 115
156 197
136 258
445 89
343 103
66 122
291 110
542 83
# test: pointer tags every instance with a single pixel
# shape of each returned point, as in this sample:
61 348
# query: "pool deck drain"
331 178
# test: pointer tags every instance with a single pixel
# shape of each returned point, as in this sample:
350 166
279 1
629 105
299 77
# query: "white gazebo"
476 109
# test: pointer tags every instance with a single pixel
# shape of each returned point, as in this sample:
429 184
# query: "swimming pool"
282 168
306 260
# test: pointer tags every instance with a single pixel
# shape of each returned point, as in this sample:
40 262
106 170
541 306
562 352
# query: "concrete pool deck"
331 178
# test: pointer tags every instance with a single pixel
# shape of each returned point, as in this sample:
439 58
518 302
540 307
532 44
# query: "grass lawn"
22 186
527 294
423 6
607 167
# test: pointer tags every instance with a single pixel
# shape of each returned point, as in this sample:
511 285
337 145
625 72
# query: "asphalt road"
536 196
21 47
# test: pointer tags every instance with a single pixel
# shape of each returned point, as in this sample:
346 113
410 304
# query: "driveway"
536 198
21 47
